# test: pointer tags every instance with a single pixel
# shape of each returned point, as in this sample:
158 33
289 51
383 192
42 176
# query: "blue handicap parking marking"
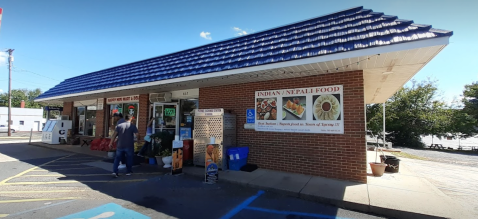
108 211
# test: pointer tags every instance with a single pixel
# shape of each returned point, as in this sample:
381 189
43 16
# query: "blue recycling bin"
237 157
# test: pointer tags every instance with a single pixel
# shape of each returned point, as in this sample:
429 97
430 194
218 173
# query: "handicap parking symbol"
108 211
250 116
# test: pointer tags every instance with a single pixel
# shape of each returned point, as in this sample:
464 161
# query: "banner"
212 158
304 110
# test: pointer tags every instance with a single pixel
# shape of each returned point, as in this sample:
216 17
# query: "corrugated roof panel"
351 29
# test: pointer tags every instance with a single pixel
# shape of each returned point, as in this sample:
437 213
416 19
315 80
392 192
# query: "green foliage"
411 112
28 96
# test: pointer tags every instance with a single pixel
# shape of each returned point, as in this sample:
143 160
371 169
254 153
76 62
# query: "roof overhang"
386 69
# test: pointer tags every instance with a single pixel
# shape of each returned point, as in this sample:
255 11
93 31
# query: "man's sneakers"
139 155
115 175
129 174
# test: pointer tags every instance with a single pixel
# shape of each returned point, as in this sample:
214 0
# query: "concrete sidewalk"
400 195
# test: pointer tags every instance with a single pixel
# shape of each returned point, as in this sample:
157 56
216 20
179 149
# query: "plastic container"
237 157
393 164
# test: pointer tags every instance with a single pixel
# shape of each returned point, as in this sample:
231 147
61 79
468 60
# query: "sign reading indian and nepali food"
305 110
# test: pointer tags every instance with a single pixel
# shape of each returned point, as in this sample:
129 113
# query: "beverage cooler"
217 124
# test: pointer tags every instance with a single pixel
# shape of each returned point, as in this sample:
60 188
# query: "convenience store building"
308 82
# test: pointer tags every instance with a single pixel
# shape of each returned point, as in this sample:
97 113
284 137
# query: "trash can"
237 157
393 163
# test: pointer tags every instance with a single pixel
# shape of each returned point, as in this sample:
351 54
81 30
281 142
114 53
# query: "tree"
411 112
22 94
465 120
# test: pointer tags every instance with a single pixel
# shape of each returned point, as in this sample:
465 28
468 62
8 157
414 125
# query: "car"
4 128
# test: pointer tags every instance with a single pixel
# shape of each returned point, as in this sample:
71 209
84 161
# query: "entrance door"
166 117
36 126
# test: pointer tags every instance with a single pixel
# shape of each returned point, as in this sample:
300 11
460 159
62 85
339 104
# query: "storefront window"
124 109
90 122
80 119
85 120
186 117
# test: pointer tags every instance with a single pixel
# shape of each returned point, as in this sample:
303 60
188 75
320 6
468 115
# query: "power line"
23 70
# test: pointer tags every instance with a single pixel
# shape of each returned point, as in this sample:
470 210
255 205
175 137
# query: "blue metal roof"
347 30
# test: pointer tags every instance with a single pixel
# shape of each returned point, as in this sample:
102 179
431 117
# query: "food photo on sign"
294 108
266 109
326 107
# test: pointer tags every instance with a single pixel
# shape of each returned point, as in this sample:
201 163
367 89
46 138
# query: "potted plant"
378 168
167 158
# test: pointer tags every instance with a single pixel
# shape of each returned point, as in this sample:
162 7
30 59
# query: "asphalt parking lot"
37 182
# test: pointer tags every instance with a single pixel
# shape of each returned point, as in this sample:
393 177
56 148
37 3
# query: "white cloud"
3 58
1 91
205 35
239 31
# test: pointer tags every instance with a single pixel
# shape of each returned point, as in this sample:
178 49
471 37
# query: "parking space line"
61 165
293 213
3 215
74 168
26 171
35 200
76 181
77 161
93 174
43 191
43 207
243 205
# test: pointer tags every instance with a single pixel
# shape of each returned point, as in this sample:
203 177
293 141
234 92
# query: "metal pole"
383 124
10 51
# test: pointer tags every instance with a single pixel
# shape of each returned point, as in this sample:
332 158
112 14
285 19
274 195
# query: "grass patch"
407 155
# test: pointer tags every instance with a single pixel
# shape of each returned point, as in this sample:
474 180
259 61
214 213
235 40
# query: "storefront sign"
304 110
125 99
53 108
212 157
100 104
169 112
184 133
250 116
209 112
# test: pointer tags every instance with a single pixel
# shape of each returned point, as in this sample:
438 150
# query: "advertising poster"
304 110
177 161
212 158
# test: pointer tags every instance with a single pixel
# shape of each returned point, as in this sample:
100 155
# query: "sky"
56 39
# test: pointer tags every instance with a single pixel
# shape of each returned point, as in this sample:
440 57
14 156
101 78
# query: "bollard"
31 131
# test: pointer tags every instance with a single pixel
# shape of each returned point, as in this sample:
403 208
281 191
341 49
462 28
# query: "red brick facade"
143 114
327 155
68 109
100 120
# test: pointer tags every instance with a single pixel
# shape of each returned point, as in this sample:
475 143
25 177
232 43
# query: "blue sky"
60 39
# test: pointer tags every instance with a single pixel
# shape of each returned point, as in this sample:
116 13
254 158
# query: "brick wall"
327 155
100 120
143 114
68 109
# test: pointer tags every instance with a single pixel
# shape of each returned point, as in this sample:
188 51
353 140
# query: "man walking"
125 144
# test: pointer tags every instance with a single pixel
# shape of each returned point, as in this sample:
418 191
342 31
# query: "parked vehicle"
4 128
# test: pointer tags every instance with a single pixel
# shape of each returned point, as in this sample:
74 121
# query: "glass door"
166 118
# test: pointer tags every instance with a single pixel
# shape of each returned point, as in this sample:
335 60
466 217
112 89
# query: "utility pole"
10 60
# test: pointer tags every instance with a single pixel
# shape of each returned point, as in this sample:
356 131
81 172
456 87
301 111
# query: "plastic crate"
237 164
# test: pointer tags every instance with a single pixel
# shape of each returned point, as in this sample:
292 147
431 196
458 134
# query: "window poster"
304 110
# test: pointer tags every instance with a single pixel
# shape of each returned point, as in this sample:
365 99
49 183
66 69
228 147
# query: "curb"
369 209
40 144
